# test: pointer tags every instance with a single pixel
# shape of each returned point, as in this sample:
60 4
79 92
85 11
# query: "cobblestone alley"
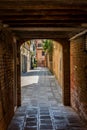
42 107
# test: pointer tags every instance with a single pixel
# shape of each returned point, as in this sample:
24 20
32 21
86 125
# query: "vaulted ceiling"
44 18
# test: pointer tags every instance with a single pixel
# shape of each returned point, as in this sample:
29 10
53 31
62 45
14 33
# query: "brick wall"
49 63
78 63
58 62
6 78
61 67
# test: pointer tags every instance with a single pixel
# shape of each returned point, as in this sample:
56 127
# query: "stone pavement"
42 107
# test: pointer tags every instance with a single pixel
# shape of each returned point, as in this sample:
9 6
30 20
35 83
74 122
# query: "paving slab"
42 107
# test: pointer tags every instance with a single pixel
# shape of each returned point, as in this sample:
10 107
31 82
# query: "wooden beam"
43 21
79 34
60 1
64 29
15 25
53 21
34 12
41 34
40 17
41 5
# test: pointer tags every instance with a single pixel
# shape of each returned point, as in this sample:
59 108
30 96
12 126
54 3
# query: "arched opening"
11 83
32 56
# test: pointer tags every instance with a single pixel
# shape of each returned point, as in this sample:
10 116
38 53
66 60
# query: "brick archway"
66 71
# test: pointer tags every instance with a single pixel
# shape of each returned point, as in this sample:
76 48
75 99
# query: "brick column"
6 78
18 76
66 72
15 72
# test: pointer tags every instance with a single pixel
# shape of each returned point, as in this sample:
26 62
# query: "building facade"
40 54
25 57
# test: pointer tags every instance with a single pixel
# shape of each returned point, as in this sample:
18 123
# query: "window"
39 45
43 53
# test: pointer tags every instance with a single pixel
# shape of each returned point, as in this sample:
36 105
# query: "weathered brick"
60 65
6 78
78 63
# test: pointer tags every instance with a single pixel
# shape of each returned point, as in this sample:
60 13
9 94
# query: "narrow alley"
42 107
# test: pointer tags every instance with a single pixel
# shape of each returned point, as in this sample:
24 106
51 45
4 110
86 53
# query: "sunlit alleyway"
42 107
39 88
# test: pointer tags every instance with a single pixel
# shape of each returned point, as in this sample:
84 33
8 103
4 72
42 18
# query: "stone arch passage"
10 88
65 71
